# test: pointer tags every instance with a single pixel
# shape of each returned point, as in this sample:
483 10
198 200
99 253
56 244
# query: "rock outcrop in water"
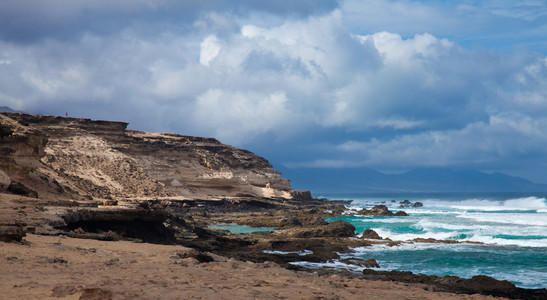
381 210
85 159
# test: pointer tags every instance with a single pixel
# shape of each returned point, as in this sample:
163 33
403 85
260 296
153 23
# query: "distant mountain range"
8 109
417 180
5 108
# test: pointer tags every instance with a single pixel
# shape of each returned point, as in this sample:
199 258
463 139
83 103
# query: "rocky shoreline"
301 234
94 180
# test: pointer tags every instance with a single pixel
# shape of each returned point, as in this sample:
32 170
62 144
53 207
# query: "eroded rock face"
118 223
87 159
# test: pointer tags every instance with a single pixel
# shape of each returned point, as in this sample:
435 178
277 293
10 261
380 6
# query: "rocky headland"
69 186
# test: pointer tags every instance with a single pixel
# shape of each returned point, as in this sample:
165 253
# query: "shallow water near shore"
511 226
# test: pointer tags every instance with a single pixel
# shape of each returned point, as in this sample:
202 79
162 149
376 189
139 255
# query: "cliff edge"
72 158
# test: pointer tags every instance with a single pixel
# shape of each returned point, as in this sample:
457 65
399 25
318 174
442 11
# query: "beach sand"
57 267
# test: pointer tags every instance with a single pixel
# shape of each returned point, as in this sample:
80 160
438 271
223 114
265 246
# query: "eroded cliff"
83 159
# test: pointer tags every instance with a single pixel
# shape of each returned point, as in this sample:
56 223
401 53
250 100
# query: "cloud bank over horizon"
390 85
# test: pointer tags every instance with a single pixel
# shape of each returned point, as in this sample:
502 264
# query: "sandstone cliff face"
86 159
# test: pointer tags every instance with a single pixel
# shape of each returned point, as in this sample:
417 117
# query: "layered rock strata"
86 159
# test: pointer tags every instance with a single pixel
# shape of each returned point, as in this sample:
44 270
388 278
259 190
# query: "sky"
389 85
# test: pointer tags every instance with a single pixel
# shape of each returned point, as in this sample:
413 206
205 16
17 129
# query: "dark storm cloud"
289 77
28 20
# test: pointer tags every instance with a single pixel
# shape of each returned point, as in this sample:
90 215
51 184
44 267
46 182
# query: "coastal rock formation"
370 234
477 284
67 185
84 159
334 229
407 203
112 224
369 263
380 210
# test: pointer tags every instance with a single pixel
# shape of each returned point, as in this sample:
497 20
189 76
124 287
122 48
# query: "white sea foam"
507 218
525 203
434 224
406 246
333 264
502 225
507 242
428 212
410 236
382 220
526 278
301 253
493 229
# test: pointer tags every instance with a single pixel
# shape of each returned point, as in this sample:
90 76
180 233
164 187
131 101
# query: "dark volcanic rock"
418 204
18 188
405 203
314 221
369 263
119 223
301 195
380 210
334 229
11 233
371 234
478 284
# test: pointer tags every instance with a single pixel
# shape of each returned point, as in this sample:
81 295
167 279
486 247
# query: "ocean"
511 227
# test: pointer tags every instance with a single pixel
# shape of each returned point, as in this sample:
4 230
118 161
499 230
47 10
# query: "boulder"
11 233
370 234
405 203
380 210
371 263
418 204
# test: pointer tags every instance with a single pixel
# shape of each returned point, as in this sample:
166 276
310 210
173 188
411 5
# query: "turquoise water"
242 228
511 226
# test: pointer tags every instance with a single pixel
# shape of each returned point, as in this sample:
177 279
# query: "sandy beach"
52 267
